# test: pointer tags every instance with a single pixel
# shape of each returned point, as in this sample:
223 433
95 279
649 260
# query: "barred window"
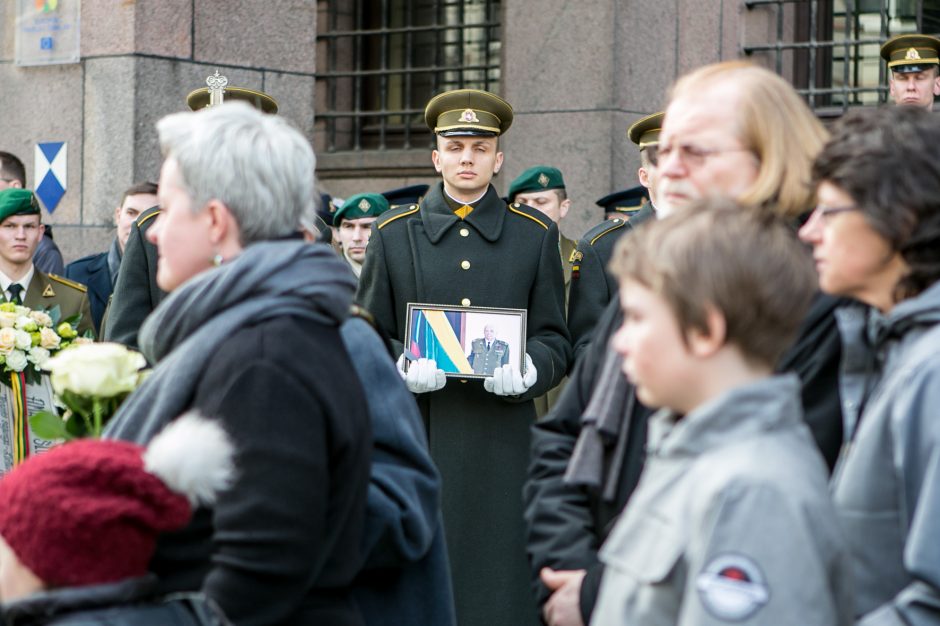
829 49
380 61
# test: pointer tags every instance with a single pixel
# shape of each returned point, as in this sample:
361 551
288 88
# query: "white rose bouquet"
29 338
91 381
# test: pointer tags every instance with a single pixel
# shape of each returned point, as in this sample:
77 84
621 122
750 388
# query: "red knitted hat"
89 512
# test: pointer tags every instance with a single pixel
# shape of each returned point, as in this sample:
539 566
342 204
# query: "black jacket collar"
486 218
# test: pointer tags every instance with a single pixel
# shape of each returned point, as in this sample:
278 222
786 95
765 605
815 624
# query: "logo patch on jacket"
732 587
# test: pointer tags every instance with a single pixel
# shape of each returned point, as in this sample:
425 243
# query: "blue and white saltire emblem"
50 173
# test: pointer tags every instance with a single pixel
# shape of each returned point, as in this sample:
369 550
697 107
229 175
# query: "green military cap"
538 178
468 112
202 98
359 206
911 53
14 201
645 131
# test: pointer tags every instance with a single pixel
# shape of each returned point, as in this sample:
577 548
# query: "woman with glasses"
876 238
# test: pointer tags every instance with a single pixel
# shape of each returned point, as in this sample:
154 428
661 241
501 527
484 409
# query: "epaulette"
393 214
68 283
604 228
147 217
533 214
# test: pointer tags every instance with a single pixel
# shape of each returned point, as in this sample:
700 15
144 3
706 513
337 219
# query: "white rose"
23 340
41 318
48 338
16 361
26 323
7 319
7 339
95 369
39 356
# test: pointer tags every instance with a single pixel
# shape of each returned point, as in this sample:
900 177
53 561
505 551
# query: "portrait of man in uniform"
488 352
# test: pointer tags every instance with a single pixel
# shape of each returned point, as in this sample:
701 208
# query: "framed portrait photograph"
466 342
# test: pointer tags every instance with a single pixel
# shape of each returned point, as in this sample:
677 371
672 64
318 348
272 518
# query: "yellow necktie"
463 211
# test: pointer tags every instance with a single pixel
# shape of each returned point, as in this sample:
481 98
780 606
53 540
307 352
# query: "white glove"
508 381
422 375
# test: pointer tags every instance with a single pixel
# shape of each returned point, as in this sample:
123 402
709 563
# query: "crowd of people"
722 409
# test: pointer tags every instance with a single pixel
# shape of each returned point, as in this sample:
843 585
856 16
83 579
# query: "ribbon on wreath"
20 423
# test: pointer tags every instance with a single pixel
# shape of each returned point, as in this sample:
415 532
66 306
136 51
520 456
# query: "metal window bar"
820 61
373 89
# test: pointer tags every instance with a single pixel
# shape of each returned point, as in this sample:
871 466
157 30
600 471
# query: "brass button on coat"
465 302
465 265
464 232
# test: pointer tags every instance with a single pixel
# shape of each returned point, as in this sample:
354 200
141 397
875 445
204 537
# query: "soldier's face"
182 235
700 153
353 235
129 211
915 88
19 236
488 333
467 164
548 202
655 357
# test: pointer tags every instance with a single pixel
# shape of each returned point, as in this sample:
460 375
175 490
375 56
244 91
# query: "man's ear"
936 85
499 162
563 208
436 160
705 344
644 177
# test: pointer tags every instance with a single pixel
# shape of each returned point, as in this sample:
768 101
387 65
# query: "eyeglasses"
825 213
692 155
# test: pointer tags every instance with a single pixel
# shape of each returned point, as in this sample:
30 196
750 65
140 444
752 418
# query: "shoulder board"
67 282
600 230
526 211
397 213
146 217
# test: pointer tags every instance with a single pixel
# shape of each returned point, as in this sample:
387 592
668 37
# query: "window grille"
829 49
380 61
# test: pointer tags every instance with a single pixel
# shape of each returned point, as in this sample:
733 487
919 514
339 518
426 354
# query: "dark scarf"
603 423
114 261
267 280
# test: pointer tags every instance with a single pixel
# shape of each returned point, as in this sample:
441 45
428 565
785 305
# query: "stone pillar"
138 62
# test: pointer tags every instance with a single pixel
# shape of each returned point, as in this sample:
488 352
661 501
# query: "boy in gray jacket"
731 521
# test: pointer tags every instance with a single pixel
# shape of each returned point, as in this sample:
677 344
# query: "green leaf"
56 314
48 426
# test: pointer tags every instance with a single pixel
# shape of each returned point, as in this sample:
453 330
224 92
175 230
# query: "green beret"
538 178
645 131
468 112
359 206
15 201
911 53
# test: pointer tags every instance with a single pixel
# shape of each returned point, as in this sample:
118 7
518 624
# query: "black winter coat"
499 256
126 603
283 545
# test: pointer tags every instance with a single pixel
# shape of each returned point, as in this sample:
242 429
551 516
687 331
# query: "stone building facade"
577 73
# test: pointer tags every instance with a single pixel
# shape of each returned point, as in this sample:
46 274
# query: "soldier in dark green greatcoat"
463 246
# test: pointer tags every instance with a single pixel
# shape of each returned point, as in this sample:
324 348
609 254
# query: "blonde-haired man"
731 129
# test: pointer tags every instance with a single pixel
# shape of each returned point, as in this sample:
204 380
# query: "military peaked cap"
626 201
911 53
645 131
468 112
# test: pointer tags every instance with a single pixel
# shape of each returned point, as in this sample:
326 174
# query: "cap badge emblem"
364 205
912 55
543 180
469 116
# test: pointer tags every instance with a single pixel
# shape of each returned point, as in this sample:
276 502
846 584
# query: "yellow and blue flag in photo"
438 335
